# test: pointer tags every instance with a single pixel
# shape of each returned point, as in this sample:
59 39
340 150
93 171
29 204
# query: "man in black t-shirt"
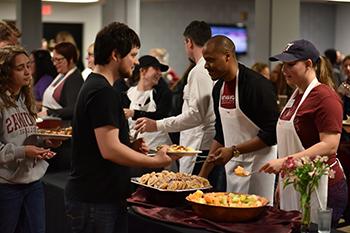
97 188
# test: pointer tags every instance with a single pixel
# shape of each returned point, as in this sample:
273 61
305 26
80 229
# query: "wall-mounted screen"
238 34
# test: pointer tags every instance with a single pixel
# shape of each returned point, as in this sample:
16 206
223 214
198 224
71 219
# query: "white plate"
53 136
184 153
346 122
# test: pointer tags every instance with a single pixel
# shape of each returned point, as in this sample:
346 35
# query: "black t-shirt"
93 178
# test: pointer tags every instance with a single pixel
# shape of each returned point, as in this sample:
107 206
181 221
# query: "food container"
49 122
163 197
228 214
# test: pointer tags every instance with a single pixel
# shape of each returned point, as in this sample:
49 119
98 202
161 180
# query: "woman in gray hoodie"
21 165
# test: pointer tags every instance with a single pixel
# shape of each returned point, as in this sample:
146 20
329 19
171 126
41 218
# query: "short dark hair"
67 50
331 54
43 64
114 37
199 32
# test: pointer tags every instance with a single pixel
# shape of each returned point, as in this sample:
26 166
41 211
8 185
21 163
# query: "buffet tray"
135 180
164 197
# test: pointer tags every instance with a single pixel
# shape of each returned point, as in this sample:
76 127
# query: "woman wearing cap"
150 98
309 125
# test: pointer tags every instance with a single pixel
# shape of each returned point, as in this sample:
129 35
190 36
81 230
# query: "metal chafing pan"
228 214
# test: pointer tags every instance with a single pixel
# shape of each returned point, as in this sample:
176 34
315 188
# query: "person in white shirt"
196 122
91 62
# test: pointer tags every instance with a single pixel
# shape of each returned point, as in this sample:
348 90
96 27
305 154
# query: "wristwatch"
235 151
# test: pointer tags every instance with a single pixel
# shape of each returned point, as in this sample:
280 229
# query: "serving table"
148 217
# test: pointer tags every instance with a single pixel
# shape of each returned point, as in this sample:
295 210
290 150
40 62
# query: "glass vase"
305 212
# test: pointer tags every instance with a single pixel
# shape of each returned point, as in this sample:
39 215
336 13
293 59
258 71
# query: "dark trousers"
96 217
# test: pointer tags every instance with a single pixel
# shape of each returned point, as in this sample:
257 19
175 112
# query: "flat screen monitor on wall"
238 34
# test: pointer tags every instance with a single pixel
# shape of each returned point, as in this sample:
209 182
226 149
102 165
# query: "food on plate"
240 171
227 199
173 181
58 131
177 148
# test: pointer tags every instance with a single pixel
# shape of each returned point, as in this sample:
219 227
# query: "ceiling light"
338 0
72 1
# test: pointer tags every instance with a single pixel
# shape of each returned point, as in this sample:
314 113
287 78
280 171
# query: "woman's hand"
273 166
43 113
38 152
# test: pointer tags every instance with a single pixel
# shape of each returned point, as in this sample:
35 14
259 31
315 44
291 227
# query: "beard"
124 73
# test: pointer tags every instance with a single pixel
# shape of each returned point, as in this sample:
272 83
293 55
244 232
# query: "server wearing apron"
149 98
309 125
60 96
196 121
246 115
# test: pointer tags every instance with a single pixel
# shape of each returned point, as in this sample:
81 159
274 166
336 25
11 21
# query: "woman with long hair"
21 165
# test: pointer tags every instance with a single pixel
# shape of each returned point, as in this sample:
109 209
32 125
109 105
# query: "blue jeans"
22 208
96 217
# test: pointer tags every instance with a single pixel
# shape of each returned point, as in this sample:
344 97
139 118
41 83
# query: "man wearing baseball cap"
309 125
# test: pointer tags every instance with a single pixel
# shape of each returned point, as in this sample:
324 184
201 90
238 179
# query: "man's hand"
144 124
140 146
162 158
273 166
221 156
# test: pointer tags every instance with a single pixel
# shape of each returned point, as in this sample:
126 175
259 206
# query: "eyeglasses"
57 59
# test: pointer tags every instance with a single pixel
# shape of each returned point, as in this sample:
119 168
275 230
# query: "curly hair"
7 58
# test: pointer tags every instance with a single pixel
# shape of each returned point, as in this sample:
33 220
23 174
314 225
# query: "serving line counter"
149 218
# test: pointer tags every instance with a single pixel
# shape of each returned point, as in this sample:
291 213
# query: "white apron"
48 100
289 143
238 128
152 139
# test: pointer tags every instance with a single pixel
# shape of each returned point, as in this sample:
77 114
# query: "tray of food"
168 188
176 150
58 133
226 206
168 181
